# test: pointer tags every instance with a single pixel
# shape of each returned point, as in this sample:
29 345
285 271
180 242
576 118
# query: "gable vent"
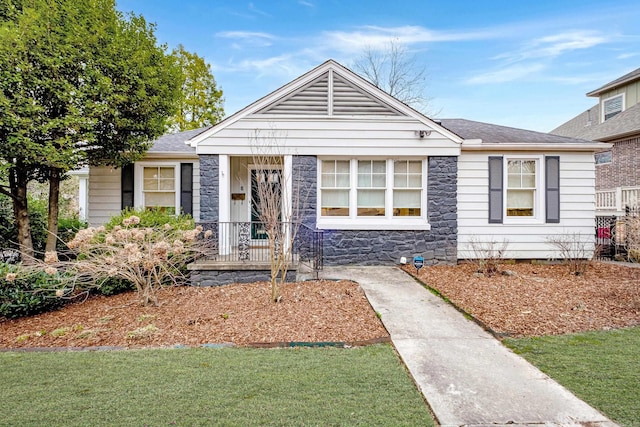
349 100
313 99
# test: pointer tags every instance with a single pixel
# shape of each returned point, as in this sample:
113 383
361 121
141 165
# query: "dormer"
618 95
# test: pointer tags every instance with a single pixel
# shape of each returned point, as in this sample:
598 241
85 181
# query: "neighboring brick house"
614 119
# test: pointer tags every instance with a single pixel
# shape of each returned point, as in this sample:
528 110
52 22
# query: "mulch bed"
542 299
242 314
534 300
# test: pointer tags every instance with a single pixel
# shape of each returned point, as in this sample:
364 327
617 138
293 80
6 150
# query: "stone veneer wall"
349 247
209 187
382 247
223 277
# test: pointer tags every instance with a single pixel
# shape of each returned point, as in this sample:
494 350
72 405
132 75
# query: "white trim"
587 146
388 222
224 203
539 199
604 101
138 181
307 78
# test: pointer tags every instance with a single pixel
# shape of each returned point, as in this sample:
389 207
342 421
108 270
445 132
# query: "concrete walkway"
467 377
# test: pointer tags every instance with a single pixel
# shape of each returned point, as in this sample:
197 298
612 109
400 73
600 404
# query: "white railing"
618 199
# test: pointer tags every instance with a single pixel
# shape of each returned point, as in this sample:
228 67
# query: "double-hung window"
524 189
372 193
407 188
335 183
521 187
158 186
372 187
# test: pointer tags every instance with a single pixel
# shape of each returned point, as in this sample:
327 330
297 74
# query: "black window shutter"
126 183
495 190
186 188
552 188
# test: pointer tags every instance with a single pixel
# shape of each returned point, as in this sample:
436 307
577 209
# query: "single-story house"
382 181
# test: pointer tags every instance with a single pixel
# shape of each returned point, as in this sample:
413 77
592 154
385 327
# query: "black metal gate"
611 235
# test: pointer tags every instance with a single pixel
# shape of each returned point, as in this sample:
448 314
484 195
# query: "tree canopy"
80 83
201 101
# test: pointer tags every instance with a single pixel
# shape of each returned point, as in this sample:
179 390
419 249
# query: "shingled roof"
496 134
176 142
629 77
586 125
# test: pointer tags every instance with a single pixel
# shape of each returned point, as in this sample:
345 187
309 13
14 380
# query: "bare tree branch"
396 71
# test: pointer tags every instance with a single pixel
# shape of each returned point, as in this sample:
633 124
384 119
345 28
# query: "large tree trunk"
52 219
18 183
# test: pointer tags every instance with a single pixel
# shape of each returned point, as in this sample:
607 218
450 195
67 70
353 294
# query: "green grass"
602 368
365 386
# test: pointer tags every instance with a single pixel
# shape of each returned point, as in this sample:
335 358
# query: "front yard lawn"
602 368
203 387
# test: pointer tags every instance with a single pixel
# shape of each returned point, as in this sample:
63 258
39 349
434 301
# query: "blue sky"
517 63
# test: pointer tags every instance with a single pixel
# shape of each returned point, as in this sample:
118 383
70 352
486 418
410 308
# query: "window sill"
357 224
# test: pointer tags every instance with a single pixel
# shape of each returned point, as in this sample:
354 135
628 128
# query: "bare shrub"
487 255
576 251
632 237
147 257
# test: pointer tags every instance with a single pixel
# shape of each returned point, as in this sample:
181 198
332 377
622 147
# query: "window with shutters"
157 186
372 193
612 106
524 190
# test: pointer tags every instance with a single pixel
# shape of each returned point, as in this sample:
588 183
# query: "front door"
266 199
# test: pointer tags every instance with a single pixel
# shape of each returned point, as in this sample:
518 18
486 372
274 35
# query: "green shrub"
113 286
153 218
25 293
38 214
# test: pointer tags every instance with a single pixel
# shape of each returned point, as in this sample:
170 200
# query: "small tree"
277 204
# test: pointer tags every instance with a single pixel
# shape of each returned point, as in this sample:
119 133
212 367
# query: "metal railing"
248 242
245 242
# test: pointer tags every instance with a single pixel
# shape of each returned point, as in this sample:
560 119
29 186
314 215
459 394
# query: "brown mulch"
536 300
542 299
242 314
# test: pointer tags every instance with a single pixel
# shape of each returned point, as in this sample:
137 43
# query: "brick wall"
624 169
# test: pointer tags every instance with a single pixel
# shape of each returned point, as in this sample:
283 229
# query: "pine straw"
542 299
314 311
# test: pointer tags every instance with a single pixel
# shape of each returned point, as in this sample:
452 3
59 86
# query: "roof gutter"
587 147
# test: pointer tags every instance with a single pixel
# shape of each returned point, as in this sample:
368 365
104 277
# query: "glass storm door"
266 193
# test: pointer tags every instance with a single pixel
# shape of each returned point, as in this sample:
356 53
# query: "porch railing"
618 199
247 243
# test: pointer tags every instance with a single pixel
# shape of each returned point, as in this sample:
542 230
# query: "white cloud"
555 45
306 3
507 74
378 37
254 9
626 55
284 66
252 38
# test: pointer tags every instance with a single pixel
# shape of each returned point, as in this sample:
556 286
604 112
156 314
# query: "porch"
616 201
243 253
